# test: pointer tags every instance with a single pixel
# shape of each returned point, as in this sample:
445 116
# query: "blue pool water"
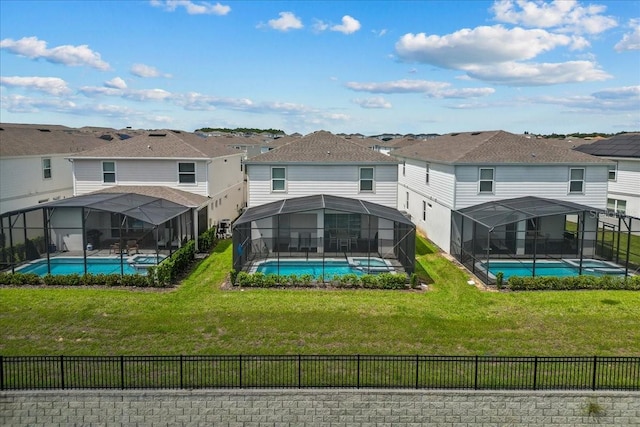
314 268
68 265
559 268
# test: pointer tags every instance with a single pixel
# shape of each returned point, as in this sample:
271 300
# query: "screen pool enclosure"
322 232
533 236
98 233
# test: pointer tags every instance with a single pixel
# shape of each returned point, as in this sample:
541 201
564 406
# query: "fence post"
181 377
475 378
417 369
1 372
358 380
535 372
62 372
122 372
240 363
593 381
299 371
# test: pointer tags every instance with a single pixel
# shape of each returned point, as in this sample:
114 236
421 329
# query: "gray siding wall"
339 408
337 180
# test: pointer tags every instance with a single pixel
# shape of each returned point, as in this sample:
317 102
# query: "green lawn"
452 318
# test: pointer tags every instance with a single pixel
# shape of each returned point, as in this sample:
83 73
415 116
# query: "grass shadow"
422 248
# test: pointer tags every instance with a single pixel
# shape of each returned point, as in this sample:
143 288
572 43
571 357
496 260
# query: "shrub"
548 283
207 240
499 279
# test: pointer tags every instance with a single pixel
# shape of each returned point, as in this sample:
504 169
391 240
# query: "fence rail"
318 371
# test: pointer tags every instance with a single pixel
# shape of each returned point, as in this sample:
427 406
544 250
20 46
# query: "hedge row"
548 283
368 281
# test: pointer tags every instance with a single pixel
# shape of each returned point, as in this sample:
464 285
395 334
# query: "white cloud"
319 26
428 88
193 8
23 104
481 45
287 21
398 86
380 33
519 74
147 95
51 85
142 70
349 25
609 101
33 48
562 15
375 102
630 41
116 83
622 93
105 91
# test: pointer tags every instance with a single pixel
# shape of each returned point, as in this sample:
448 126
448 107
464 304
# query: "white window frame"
109 172
362 180
185 174
572 181
613 170
427 171
279 179
46 168
492 181
614 205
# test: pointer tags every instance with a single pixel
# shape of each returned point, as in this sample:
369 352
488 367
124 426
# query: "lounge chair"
132 246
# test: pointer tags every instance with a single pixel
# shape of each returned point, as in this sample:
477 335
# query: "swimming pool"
329 268
75 265
557 268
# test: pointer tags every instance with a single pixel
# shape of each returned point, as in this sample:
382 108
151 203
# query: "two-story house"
33 164
442 180
321 194
623 151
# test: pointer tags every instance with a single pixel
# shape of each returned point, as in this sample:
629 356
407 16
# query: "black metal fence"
320 371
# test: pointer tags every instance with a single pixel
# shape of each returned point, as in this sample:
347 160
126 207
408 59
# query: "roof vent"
476 133
156 135
44 130
455 134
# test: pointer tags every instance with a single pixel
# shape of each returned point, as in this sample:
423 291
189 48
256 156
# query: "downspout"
581 243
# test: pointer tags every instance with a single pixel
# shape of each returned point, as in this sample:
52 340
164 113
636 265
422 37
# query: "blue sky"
342 66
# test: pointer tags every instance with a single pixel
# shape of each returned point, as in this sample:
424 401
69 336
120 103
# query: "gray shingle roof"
322 147
161 144
33 140
491 147
622 145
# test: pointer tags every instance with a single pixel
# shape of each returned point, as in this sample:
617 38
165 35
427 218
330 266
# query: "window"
404 167
613 172
108 172
46 168
366 179
617 206
486 180
407 205
187 173
424 210
426 169
576 180
278 179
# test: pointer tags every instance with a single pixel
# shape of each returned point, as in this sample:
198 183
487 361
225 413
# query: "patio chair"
294 241
115 248
132 246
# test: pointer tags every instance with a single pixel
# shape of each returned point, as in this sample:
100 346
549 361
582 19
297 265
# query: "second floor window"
187 173
366 179
46 168
576 180
108 172
613 172
278 179
424 210
486 180
426 169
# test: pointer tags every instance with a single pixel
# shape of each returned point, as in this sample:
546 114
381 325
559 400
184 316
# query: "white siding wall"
88 175
226 188
548 181
338 180
627 185
22 183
